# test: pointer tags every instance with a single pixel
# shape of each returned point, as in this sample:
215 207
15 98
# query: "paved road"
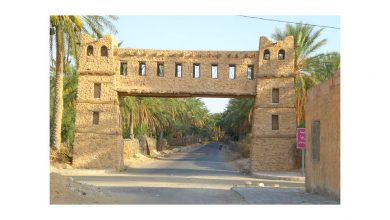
199 176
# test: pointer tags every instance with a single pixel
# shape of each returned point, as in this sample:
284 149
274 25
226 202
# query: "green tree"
306 42
163 116
237 118
66 31
69 96
148 112
323 66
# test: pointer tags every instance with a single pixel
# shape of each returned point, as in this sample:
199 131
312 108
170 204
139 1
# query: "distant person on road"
220 147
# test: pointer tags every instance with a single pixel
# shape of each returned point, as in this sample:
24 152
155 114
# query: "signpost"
301 144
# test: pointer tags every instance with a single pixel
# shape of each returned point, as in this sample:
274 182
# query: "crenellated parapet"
276 59
97 56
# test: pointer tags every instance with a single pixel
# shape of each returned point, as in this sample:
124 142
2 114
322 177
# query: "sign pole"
301 144
303 162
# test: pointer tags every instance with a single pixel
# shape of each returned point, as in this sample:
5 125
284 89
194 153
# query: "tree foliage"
323 66
309 70
153 116
69 97
237 118
307 41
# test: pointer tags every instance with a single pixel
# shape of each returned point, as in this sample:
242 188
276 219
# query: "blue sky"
212 33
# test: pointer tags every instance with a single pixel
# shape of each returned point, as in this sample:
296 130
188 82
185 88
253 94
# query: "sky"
213 33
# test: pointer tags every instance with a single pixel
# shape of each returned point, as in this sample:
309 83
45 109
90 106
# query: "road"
199 176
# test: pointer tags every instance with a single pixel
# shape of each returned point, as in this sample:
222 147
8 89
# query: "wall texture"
323 104
100 145
130 148
274 149
171 86
97 145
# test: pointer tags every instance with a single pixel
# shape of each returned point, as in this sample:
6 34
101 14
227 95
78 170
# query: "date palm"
237 118
324 65
306 42
162 116
66 31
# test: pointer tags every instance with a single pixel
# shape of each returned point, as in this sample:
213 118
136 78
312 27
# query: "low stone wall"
148 146
184 141
323 105
152 146
144 145
130 148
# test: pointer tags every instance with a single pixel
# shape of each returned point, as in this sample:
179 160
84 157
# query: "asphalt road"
199 176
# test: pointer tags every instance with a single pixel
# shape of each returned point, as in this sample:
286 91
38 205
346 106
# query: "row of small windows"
281 55
275 126
103 51
275 99
195 71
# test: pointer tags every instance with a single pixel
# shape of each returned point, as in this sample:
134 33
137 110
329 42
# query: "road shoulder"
270 195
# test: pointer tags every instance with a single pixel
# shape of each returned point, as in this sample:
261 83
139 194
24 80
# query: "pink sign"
301 138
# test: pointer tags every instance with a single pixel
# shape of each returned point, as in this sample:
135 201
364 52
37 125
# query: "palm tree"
159 116
66 30
236 120
324 65
150 112
69 96
306 41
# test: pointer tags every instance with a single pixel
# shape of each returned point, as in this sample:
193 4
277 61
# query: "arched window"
89 50
266 55
281 54
103 51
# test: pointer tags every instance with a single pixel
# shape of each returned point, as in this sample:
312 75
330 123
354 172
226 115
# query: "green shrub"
244 146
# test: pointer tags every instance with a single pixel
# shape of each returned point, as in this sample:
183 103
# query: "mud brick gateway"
107 73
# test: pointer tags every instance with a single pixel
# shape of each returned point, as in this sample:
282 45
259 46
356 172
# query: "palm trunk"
160 138
300 108
131 124
59 84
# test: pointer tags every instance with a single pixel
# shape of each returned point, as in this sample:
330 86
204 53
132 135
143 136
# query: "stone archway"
122 71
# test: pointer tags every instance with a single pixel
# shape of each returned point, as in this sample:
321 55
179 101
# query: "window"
97 87
123 69
103 51
275 122
275 95
178 70
214 71
232 71
196 72
89 50
267 55
281 54
250 71
160 69
142 69
315 140
95 118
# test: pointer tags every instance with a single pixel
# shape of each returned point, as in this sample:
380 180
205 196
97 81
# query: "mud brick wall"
130 148
98 150
273 149
323 104
186 85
